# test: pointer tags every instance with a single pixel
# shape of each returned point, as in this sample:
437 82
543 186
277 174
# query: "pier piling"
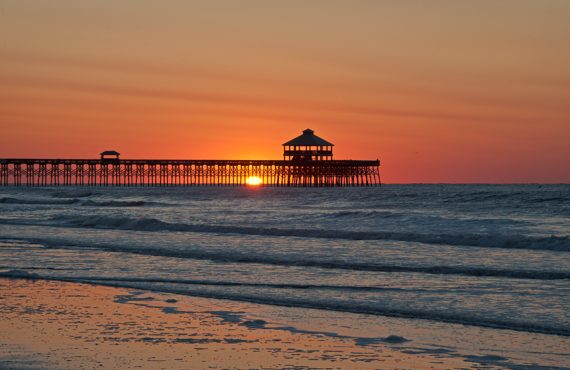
141 172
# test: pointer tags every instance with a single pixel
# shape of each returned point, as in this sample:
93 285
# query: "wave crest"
330 305
555 243
76 201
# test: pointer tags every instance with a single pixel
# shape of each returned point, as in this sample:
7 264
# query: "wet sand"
58 325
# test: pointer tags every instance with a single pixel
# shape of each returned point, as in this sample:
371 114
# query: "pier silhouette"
307 161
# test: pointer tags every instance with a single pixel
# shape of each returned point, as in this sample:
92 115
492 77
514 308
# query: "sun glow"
253 181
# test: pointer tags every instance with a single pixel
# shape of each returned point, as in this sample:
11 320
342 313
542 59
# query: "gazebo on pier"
307 147
110 156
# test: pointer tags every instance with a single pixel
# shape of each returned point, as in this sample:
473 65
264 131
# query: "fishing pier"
307 161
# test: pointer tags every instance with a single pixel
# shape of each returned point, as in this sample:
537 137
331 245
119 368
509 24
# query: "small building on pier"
110 156
307 147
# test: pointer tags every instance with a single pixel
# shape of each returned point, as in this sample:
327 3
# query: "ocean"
449 258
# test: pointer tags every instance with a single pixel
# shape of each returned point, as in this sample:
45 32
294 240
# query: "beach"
58 325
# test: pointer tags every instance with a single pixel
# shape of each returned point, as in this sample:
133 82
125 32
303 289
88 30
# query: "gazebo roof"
110 152
308 139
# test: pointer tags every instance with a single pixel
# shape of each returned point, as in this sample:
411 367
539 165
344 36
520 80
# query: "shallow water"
490 256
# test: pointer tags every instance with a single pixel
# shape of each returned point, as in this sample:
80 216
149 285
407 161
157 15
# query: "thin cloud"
440 93
228 99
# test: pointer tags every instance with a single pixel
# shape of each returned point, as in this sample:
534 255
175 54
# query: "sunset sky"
440 91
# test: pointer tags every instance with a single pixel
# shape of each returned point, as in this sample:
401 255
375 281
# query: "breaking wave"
491 196
72 193
78 202
8 200
372 308
361 214
116 203
298 260
554 243
23 273
343 265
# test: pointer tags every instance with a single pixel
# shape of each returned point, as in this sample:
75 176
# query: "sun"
254 181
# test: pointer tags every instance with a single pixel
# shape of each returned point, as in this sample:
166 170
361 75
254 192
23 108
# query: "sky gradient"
440 91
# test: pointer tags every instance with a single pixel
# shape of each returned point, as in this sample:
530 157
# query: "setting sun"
254 181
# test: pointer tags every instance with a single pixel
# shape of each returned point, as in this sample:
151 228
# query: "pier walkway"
162 172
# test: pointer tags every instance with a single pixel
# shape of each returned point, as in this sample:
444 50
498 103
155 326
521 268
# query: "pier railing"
150 172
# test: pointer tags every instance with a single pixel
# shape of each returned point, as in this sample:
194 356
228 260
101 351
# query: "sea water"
469 257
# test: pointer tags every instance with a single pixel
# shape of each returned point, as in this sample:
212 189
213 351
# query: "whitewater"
484 256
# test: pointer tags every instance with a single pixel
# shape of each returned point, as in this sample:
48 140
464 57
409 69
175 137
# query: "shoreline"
63 325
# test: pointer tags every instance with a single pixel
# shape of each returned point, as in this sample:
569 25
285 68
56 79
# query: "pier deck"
175 172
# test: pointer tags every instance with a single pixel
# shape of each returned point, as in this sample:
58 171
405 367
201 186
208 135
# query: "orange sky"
440 91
